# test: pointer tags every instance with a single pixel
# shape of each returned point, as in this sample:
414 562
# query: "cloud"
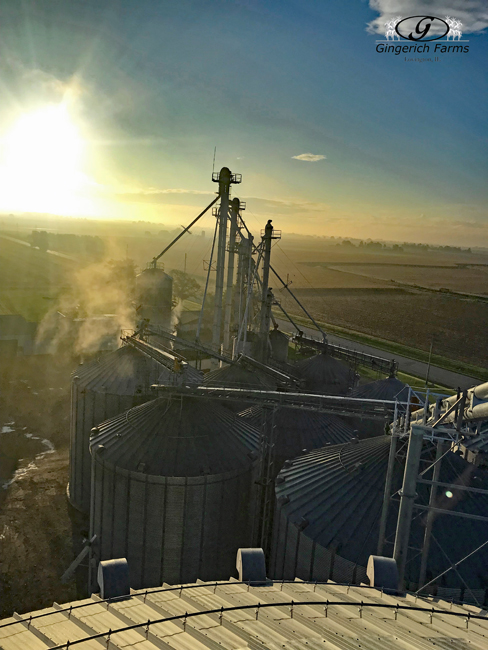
472 14
309 157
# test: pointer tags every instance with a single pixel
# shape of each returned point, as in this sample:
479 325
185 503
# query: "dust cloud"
93 313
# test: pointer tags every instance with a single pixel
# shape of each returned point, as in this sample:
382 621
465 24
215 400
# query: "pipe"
230 272
265 298
481 391
430 515
200 318
407 498
155 259
224 188
387 493
250 282
240 285
300 304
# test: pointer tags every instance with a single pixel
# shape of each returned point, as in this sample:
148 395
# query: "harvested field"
320 253
411 318
464 279
30 279
23 267
318 276
333 267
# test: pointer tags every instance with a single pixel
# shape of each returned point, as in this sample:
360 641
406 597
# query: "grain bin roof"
180 437
187 375
322 370
338 491
124 371
236 376
279 335
302 429
127 371
346 626
390 388
334 496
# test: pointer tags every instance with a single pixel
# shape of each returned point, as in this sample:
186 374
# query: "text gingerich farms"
438 48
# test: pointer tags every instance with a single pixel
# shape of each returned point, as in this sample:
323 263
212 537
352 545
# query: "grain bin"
154 295
327 512
102 389
248 348
390 388
238 376
279 345
172 490
324 374
297 431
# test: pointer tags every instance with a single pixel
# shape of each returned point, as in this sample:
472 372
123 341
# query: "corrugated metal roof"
180 437
324 374
236 376
279 335
124 371
334 497
390 389
230 615
127 371
338 492
298 431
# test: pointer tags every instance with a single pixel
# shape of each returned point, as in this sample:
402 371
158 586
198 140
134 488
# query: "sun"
42 163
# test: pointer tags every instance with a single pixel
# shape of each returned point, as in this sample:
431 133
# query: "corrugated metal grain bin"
326 375
299 431
327 513
384 389
237 376
279 345
102 389
172 490
154 291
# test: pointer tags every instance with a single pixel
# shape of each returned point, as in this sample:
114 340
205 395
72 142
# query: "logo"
454 28
418 31
423 27
390 28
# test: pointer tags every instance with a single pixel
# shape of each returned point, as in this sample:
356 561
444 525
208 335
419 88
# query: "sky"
114 109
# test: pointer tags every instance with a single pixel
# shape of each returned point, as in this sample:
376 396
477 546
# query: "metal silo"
324 374
297 431
327 514
101 389
154 294
237 376
390 388
279 345
172 490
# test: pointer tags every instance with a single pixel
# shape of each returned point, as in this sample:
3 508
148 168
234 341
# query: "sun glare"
42 156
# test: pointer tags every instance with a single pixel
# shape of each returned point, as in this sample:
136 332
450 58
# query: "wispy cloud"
309 157
472 14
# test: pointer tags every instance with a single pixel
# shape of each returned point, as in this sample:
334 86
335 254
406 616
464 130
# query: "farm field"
460 278
357 293
332 267
458 325
30 280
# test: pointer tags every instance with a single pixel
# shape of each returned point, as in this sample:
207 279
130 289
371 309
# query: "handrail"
259 606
